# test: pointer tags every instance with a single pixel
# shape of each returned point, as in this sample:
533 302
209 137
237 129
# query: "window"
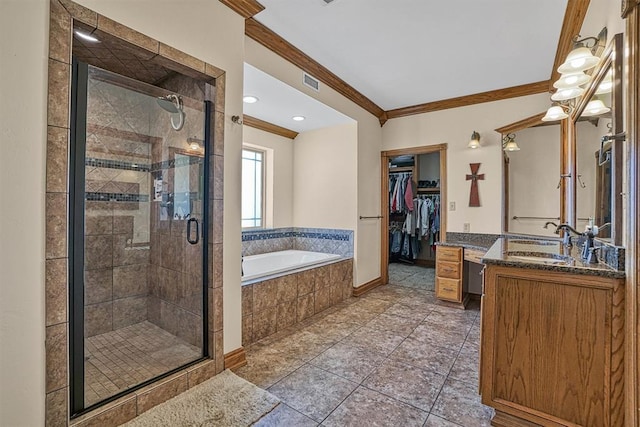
252 188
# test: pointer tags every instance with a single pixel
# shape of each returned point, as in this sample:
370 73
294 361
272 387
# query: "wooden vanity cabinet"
552 348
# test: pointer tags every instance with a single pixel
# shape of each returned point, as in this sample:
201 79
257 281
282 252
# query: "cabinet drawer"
450 270
447 253
449 289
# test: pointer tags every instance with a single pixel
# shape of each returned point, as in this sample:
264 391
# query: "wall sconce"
475 140
509 143
194 143
556 112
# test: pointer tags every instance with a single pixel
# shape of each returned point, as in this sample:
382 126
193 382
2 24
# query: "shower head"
173 104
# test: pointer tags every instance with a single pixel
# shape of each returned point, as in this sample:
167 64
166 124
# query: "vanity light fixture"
85 36
606 85
509 143
555 113
298 118
595 107
567 94
582 57
475 140
571 80
250 99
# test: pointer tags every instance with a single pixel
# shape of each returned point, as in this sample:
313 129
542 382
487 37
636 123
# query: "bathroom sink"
540 257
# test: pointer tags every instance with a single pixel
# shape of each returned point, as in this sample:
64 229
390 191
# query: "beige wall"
23 80
324 178
534 172
279 180
206 29
367 232
454 127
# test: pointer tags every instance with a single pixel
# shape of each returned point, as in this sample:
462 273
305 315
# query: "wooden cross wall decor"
474 197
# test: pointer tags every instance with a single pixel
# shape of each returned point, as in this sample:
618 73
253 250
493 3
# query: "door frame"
385 156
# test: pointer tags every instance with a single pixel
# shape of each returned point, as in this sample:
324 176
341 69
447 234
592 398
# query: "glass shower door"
138 234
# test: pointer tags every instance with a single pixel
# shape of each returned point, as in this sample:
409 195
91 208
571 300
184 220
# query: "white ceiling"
279 102
400 53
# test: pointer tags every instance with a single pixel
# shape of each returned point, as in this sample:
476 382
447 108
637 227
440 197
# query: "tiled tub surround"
149 57
273 305
325 240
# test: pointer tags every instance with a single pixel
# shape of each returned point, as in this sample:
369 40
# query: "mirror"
531 194
597 120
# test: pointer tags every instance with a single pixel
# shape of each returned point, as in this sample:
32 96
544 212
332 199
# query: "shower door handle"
189 239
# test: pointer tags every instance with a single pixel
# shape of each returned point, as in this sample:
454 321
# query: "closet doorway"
414 218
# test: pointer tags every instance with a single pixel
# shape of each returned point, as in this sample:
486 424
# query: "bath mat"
224 400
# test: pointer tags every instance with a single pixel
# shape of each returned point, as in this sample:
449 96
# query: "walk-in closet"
414 187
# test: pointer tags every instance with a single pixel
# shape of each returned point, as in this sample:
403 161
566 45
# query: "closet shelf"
428 189
401 169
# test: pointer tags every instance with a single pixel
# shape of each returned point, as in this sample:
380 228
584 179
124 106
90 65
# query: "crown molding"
268 127
522 124
478 98
286 50
571 25
246 8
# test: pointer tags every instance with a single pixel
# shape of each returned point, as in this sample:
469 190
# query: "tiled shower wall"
117 208
139 266
325 240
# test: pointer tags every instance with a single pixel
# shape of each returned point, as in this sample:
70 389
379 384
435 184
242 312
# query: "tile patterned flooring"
120 359
393 357
412 276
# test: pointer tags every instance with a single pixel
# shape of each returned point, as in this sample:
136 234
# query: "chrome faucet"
598 228
567 236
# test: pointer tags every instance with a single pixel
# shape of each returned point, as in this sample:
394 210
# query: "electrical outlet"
452 206
466 227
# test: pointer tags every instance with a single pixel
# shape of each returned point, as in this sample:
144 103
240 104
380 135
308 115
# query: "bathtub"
258 266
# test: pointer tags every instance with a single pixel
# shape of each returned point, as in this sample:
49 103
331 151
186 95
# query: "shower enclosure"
138 234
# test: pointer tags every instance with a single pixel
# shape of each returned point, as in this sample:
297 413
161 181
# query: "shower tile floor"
412 276
392 357
120 359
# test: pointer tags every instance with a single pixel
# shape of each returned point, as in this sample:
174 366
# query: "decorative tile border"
325 240
116 197
116 164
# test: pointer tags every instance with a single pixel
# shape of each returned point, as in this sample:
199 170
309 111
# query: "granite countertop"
549 255
465 245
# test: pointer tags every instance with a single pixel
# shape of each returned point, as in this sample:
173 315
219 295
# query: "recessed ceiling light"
298 118
250 99
86 36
